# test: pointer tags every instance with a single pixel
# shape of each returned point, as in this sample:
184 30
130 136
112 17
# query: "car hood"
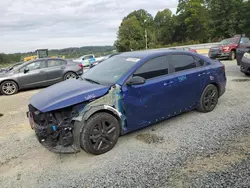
5 74
67 93
223 45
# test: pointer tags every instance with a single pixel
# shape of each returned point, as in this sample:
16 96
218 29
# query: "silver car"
38 73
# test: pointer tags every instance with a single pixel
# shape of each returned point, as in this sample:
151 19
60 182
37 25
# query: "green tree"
164 27
130 35
194 16
146 21
4 59
243 18
227 17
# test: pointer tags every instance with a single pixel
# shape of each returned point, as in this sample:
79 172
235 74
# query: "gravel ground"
191 150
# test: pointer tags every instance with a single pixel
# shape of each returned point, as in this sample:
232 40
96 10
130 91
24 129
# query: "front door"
148 103
35 76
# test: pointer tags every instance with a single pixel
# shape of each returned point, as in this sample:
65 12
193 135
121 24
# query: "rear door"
148 103
55 70
35 77
189 80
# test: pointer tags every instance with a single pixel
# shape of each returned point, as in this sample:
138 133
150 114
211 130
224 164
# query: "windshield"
14 67
229 41
111 70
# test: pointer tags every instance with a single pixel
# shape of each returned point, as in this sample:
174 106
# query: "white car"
86 60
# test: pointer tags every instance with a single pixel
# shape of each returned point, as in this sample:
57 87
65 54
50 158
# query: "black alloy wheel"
209 98
100 134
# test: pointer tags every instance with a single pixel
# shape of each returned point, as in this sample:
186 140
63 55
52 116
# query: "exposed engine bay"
55 129
60 130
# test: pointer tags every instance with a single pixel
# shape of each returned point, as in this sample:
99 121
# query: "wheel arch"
217 86
18 87
111 112
98 109
69 71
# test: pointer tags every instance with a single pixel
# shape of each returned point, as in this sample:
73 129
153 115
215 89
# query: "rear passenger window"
55 62
183 62
153 68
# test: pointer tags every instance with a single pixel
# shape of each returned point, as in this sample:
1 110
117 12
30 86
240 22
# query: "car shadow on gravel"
241 80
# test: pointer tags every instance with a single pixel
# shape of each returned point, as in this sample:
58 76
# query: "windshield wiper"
92 81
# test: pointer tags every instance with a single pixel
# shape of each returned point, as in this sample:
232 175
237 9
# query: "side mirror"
136 80
26 70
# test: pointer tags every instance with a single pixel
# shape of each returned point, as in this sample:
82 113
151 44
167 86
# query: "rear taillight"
80 65
223 67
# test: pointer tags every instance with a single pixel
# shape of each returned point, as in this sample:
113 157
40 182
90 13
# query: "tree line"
196 21
67 52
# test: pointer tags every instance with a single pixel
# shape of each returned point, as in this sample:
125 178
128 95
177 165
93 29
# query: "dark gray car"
38 73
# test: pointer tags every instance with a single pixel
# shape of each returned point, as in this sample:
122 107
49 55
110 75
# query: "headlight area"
55 130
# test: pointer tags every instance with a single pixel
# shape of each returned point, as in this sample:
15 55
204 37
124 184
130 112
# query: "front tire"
232 55
9 88
100 133
209 99
247 74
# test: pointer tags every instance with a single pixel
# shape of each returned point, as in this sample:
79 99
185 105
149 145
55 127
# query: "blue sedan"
126 92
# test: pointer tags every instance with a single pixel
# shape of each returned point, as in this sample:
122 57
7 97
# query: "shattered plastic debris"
112 100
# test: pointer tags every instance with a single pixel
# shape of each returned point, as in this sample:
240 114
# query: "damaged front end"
55 130
60 130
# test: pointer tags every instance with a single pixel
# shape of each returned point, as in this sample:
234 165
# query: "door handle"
62 67
42 71
168 83
201 74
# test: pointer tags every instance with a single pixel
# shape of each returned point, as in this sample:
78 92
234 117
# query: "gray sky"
27 25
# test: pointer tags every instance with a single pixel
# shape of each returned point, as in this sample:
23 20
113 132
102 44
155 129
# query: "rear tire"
247 74
100 133
9 88
70 75
209 99
232 55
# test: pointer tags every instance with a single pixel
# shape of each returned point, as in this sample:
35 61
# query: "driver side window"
153 68
34 66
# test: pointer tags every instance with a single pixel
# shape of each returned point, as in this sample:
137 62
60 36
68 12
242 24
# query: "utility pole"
146 34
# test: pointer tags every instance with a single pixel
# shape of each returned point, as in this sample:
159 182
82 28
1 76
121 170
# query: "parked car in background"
245 63
184 49
38 73
241 51
124 93
86 60
227 47
103 59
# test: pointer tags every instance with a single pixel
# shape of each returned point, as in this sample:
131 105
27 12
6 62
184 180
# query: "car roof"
46 58
148 53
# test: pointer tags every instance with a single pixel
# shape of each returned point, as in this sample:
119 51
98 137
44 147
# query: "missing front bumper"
46 140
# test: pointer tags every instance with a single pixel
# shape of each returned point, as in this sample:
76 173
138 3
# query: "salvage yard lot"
190 150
